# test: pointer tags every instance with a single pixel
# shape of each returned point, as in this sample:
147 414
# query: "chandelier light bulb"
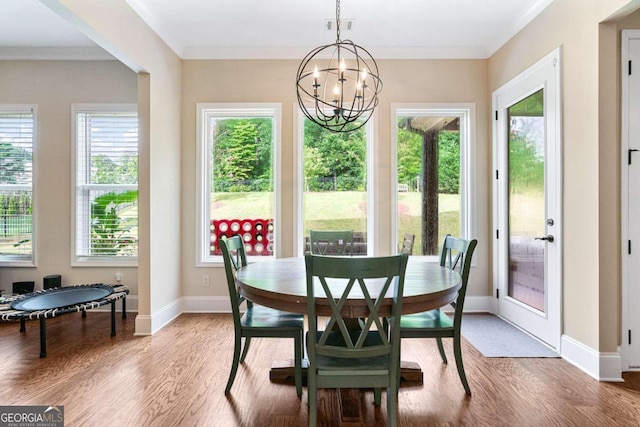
363 74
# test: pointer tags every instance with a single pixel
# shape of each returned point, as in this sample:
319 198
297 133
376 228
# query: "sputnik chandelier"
338 84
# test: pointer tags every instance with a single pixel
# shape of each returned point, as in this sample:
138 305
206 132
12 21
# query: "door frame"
554 309
627 35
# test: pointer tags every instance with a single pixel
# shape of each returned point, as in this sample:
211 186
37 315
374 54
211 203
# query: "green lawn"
340 210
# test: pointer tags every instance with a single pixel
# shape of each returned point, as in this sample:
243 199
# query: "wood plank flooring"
177 378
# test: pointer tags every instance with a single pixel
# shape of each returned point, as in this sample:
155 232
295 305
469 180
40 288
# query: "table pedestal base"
349 398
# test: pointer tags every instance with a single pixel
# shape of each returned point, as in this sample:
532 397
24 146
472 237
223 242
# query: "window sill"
218 261
17 262
104 262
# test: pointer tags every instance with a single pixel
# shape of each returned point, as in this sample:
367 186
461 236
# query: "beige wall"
411 81
53 86
591 157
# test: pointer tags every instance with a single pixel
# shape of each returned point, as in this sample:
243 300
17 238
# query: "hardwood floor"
177 378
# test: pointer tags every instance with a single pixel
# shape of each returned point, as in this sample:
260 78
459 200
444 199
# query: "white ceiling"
209 29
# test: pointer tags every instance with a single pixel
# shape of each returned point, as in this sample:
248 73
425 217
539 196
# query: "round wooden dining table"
282 284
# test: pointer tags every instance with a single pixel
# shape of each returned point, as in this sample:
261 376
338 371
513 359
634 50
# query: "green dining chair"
257 321
456 255
331 242
364 357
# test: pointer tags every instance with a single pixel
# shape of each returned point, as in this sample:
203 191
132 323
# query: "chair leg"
298 363
235 363
247 341
457 351
312 400
392 406
377 396
441 350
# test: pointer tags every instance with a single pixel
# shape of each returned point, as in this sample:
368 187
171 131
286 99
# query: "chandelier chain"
338 21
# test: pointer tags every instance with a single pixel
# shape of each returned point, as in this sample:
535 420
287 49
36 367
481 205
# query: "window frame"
466 112
204 111
25 260
95 260
372 217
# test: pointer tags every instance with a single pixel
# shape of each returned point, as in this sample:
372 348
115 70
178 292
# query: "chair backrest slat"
235 257
339 278
457 254
331 242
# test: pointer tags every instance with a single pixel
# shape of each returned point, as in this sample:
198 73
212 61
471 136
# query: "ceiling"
216 29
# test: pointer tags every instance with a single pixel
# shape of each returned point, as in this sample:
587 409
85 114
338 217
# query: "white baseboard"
601 366
143 325
149 325
206 305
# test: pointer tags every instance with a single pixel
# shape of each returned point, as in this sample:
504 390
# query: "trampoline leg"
124 307
23 326
84 314
113 318
43 339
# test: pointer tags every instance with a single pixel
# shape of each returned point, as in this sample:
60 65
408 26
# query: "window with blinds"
17 136
106 182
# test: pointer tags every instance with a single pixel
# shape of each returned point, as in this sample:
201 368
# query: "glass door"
528 200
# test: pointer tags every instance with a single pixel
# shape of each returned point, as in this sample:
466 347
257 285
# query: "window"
106 184
433 174
334 183
238 145
17 138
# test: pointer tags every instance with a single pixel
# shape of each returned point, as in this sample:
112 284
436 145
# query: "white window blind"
106 183
16 183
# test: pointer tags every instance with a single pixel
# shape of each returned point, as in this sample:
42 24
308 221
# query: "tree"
13 163
429 180
110 232
339 158
242 154
449 162
409 157
105 170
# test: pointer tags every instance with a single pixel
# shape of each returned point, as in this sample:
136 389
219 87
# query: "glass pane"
335 183
114 223
527 201
242 197
428 180
16 209
16 204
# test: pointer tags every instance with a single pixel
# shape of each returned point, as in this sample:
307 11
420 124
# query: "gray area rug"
494 337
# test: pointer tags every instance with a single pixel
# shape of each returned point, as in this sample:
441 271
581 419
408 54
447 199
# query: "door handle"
549 238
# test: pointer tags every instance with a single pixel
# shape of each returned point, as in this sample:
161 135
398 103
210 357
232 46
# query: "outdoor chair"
456 254
366 357
407 244
257 321
334 242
